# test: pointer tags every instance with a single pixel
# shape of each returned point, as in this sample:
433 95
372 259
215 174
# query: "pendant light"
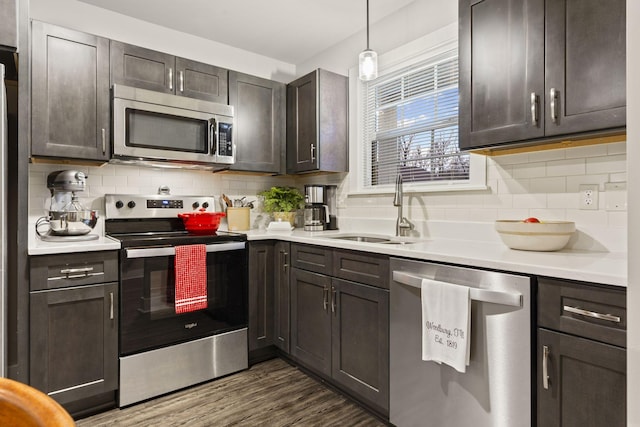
368 59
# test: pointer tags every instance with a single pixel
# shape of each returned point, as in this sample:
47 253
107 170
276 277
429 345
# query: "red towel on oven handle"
191 278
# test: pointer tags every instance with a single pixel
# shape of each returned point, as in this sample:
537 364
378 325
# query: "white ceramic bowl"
535 236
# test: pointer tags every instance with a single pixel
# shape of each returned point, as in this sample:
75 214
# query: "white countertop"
609 268
605 267
37 246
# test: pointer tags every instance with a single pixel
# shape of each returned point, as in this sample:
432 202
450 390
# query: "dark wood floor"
271 393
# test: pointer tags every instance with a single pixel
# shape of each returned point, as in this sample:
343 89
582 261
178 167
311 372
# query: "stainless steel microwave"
168 130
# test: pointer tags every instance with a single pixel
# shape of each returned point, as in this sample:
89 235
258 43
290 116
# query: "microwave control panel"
225 143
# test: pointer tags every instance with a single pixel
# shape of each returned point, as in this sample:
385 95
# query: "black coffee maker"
320 210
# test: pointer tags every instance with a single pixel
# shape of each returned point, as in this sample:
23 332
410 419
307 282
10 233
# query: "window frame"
431 45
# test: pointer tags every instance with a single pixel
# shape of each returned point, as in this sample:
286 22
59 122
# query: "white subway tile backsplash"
587 151
562 201
547 155
556 184
566 167
530 201
530 170
607 164
617 148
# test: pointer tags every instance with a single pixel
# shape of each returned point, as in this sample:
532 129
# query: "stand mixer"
68 219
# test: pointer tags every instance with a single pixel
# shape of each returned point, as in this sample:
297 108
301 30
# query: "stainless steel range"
161 350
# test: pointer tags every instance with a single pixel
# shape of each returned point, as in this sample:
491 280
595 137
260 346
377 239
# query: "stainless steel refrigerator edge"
495 390
3 225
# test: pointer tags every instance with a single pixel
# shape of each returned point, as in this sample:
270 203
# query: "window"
410 127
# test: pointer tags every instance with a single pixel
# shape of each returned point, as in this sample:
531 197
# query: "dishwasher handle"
513 299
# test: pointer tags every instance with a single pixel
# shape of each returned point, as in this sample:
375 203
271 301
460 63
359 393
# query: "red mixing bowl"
201 222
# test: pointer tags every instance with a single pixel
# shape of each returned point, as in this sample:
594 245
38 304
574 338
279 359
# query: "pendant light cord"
367 24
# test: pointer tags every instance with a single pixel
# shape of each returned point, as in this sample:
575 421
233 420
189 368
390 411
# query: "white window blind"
411 125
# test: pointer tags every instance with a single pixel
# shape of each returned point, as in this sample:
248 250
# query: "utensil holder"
238 218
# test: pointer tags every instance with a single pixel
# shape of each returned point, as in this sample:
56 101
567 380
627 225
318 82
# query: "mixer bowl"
72 223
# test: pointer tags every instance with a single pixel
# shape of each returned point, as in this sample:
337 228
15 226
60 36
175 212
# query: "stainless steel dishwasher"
495 390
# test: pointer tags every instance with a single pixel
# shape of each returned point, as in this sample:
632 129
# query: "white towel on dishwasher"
446 323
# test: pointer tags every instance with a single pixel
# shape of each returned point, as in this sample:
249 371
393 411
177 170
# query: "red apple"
532 219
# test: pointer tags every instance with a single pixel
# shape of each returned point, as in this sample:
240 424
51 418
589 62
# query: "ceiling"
291 31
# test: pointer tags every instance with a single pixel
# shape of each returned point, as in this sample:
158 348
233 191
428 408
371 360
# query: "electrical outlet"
588 196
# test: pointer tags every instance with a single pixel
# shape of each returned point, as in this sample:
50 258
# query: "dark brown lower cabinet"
586 382
260 295
281 297
341 330
268 298
74 342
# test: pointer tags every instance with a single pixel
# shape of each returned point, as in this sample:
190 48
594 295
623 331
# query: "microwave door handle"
213 140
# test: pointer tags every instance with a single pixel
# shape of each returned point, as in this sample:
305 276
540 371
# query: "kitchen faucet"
403 225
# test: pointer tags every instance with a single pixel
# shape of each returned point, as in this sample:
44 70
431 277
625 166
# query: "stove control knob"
205 205
131 204
195 205
119 204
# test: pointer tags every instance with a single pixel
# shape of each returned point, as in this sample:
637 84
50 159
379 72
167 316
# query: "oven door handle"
171 250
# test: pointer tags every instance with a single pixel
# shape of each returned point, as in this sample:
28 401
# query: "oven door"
147 295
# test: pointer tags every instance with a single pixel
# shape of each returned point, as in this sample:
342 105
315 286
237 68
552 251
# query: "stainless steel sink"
366 239
372 239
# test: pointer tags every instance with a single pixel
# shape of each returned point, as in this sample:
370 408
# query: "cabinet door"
74 341
302 127
261 276
360 335
585 65
9 23
143 68
311 320
281 298
587 382
259 107
201 81
502 47
70 94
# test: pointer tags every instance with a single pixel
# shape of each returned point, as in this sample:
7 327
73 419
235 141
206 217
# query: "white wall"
94 20
415 20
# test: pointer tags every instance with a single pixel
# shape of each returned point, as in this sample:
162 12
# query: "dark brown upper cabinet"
317 123
69 94
259 109
536 71
149 69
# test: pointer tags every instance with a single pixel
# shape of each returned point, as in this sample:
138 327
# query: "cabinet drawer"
589 311
368 268
311 258
60 271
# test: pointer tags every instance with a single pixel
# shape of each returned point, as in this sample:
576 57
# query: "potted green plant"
282 202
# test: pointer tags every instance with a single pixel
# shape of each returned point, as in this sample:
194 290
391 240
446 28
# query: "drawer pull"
545 367
111 306
75 276
593 314
325 298
85 270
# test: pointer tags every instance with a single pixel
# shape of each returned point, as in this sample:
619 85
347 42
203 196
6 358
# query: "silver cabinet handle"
325 298
553 94
592 314
181 75
103 133
111 306
76 270
534 109
545 367
313 152
170 78
283 256
334 298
